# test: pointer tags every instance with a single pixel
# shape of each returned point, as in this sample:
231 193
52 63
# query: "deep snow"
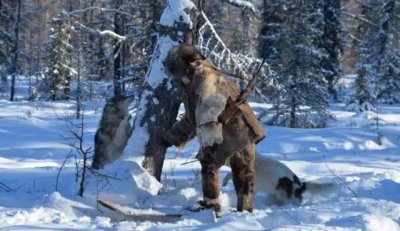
345 153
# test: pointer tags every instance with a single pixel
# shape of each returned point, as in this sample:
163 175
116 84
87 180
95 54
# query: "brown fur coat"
205 95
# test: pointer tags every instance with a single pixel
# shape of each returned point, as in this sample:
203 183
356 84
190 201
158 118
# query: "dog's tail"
319 189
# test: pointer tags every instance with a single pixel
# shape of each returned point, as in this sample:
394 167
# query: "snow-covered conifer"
289 44
388 83
378 57
330 41
59 71
6 41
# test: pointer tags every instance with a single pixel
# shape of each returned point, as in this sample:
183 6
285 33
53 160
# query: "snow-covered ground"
346 153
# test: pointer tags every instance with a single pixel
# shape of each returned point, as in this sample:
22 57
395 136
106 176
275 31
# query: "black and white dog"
281 184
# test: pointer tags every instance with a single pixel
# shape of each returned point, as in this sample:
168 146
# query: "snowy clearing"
346 153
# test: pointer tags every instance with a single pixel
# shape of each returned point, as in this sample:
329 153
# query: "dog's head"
298 190
293 189
121 102
298 193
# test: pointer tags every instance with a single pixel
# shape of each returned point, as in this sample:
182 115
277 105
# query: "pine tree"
142 39
331 42
388 83
59 71
378 64
99 51
7 21
138 21
271 43
93 53
367 54
10 32
15 69
288 43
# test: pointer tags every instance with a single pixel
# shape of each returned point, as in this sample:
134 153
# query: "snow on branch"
242 4
102 32
212 45
6 36
78 11
359 18
112 34
176 12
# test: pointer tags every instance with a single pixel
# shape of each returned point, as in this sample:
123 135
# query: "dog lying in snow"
280 183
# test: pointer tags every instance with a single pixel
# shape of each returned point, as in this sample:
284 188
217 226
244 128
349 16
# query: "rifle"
233 105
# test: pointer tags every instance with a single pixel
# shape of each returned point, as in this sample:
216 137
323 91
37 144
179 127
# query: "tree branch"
339 179
112 34
242 3
355 16
116 11
101 33
61 168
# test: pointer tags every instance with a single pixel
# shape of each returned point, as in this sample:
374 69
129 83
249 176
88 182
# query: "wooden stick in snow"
138 214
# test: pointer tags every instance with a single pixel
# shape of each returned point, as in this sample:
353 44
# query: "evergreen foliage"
378 64
289 43
60 71
10 34
388 83
331 41
7 21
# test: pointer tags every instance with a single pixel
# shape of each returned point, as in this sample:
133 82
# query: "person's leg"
242 164
210 178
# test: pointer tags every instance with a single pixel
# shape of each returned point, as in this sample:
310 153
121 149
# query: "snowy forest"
327 93
56 45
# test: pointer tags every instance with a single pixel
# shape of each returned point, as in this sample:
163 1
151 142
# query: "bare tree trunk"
293 122
118 48
159 103
16 51
79 75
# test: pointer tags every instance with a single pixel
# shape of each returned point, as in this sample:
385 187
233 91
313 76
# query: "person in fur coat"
206 93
